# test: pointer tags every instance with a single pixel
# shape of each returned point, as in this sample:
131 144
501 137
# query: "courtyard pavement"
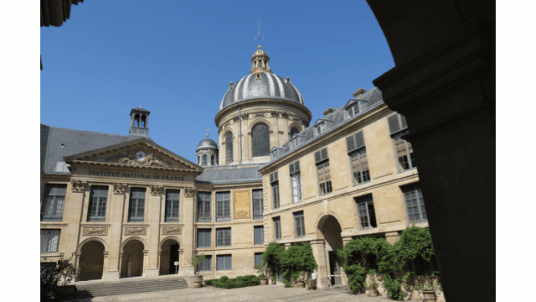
273 293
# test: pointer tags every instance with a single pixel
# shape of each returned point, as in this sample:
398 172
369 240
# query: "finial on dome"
231 84
207 132
259 47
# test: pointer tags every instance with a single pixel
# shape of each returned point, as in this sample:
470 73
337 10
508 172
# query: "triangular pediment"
139 153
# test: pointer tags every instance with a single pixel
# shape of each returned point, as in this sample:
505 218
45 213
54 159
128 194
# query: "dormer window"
352 110
321 127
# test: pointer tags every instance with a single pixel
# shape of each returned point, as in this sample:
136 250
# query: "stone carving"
189 192
129 159
135 231
172 230
275 113
259 114
78 186
95 231
120 188
157 190
150 160
235 118
231 85
285 115
242 204
245 116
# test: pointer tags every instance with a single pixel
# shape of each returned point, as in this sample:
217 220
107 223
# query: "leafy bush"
271 257
223 278
255 281
51 275
296 262
262 276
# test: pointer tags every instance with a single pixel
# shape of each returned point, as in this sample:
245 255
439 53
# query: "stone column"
181 260
112 267
77 265
105 263
120 263
145 263
319 252
155 209
392 237
189 232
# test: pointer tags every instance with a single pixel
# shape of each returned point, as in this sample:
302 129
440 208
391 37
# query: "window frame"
136 218
56 201
364 174
363 204
258 204
228 259
45 248
327 184
99 204
225 207
229 148
254 143
295 173
299 224
204 160
415 189
170 206
223 235
397 128
258 235
205 265
204 233
204 206
277 228
274 183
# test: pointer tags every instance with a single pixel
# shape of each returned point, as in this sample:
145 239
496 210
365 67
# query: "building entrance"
91 261
168 255
132 261
331 230
335 267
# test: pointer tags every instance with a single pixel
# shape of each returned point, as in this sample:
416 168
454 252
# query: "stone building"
124 206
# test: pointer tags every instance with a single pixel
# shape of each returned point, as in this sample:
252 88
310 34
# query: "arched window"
212 160
294 131
204 160
260 137
198 160
229 148
137 120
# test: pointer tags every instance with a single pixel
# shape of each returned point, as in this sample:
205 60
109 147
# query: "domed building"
258 112
207 152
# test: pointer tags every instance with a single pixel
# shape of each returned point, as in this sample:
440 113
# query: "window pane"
260 138
53 200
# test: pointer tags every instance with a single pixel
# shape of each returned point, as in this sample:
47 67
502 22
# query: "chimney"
358 92
328 111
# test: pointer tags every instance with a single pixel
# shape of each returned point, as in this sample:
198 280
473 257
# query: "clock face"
140 155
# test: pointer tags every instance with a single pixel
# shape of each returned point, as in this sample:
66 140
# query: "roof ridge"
87 131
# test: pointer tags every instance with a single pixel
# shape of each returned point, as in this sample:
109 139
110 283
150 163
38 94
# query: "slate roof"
74 141
374 99
231 174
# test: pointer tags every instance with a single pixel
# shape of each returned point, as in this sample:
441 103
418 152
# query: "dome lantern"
260 61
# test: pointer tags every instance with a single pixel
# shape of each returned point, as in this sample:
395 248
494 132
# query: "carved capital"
135 230
172 230
78 186
274 113
189 192
285 115
157 190
245 116
95 231
235 118
120 188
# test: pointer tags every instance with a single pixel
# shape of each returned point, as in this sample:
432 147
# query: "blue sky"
176 59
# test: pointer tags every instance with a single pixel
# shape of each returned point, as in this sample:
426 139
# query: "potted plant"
195 261
262 276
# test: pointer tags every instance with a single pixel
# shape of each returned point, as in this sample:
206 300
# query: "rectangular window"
203 207
324 175
224 262
258 259
274 181
295 180
258 205
299 224
404 151
414 203
277 228
172 205
223 237
367 215
203 238
53 201
136 207
355 144
97 203
49 241
205 265
223 206
258 232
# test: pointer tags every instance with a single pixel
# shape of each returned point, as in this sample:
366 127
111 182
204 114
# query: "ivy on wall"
295 263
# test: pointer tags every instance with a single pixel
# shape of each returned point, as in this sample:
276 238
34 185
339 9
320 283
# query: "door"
335 268
173 256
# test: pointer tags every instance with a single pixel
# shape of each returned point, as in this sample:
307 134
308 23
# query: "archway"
91 261
331 230
132 260
169 254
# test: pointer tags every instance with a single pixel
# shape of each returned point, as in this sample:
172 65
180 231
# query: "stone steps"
99 289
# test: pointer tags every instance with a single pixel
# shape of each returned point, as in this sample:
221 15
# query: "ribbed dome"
261 83
207 143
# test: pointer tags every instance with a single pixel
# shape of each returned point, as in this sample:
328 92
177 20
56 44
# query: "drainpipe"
240 133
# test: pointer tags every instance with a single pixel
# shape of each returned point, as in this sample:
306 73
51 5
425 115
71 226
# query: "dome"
207 143
261 83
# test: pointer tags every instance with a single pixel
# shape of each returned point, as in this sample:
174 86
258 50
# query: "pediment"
139 153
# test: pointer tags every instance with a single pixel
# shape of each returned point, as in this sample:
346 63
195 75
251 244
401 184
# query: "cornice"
125 165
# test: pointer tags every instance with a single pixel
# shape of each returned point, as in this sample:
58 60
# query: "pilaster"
116 206
186 267
155 209
320 257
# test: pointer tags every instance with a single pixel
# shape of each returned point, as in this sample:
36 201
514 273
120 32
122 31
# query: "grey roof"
269 86
373 97
207 143
231 174
59 142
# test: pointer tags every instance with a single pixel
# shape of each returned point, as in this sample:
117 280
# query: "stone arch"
133 257
260 140
134 238
296 125
168 253
91 260
330 229
228 145
258 120
79 249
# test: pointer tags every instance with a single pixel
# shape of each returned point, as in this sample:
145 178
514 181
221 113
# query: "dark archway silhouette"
91 261
132 260
168 255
